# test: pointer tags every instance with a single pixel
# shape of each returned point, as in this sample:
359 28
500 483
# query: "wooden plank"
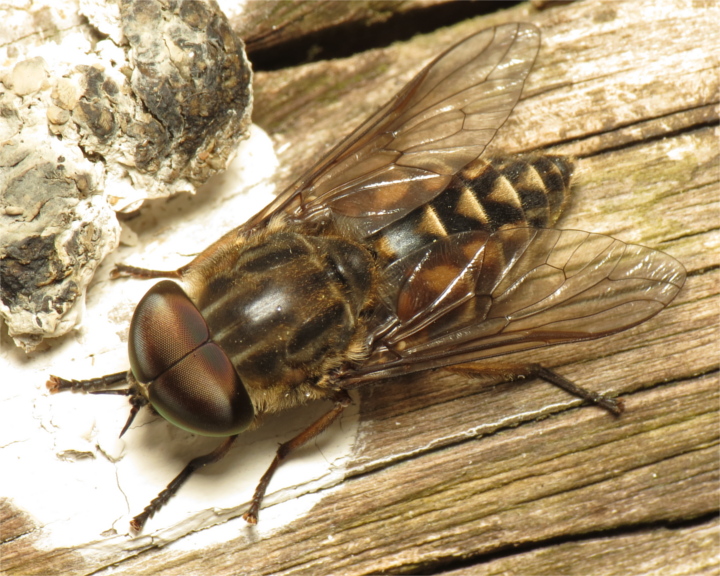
449 470
621 555
266 25
580 472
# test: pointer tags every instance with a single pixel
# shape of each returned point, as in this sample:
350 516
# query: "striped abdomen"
488 194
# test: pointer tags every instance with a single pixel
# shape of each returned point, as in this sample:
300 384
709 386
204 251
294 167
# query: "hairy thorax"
286 308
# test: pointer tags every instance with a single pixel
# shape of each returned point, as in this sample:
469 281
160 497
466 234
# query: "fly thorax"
287 309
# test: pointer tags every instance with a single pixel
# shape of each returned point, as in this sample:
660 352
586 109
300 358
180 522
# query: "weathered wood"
450 472
640 553
578 473
266 25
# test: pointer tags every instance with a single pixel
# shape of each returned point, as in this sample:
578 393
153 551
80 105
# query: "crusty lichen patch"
90 127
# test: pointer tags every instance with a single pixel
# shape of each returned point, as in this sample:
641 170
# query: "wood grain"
266 25
460 476
639 553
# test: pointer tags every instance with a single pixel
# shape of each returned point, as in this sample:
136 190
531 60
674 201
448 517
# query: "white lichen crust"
145 99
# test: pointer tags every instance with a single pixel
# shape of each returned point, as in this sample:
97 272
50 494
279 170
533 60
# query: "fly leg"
103 385
122 270
161 499
342 401
512 371
56 384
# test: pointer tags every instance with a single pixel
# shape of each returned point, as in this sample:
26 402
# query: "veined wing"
472 296
406 153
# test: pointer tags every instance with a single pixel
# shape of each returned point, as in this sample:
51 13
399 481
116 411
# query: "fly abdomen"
538 187
488 194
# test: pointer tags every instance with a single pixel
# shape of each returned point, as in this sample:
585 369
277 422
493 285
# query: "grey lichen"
91 128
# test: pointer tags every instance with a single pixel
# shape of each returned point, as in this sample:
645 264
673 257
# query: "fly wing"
474 295
406 153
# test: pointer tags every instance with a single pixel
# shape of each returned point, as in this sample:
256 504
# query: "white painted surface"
60 456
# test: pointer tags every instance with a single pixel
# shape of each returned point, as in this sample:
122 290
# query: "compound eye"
165 328
203 394
191 382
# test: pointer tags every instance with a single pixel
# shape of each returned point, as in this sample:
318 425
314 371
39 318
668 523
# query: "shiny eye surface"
191 381
165 328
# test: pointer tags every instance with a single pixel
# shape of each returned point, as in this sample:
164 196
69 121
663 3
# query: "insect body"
405 249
